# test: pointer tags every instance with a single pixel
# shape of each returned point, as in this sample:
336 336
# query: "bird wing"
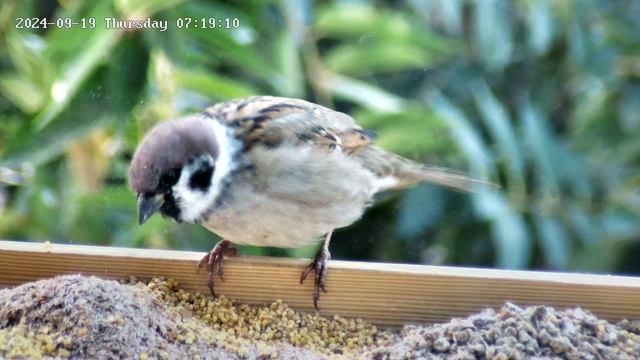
270 121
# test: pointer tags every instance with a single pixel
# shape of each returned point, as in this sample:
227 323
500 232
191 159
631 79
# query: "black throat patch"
169 208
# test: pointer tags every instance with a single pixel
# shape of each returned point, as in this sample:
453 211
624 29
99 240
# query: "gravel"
87 317
536 332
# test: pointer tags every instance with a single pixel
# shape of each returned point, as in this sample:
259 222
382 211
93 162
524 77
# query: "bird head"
177 169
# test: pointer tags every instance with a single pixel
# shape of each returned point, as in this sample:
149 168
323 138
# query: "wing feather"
269 121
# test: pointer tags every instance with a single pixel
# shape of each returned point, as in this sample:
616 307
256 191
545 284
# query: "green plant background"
541 97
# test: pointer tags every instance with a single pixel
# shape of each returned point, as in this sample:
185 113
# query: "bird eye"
169 178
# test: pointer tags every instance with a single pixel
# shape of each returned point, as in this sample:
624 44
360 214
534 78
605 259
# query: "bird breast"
295 195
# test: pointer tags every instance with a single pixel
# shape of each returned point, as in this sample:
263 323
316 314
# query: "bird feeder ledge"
385 294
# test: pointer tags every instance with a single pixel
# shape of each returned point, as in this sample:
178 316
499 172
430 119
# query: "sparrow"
269 171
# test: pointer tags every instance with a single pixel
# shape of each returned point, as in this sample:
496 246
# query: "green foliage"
540 97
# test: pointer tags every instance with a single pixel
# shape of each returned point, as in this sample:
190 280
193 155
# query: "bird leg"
319 266
214 260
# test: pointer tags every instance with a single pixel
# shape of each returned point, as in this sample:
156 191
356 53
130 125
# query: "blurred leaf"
223 46
212 85
89 160
291 78
65 45
591 102
629 108
420 208
140 9
22 92
220 10
356 19
453 15
493 33
26 53
75 73
539 144
584 226
236 48
410 132
572 169
499 125
364 94
26 87
540 26
12 177
621 224
554 240
598 257
100 216
161 99
41 146
577 41
129 63
447 12
292 74
510 233
467 138
373 58
366 23
555 165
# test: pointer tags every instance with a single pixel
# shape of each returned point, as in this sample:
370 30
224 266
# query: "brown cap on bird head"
169 146
166 148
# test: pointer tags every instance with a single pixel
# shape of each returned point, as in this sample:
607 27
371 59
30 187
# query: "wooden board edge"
466 272
385 294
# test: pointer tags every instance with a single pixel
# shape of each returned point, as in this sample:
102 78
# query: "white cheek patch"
228 147
194 203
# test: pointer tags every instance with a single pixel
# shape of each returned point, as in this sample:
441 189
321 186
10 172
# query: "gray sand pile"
86 317
518 333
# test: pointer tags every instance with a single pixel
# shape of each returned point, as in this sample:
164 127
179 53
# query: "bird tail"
406 173
418 173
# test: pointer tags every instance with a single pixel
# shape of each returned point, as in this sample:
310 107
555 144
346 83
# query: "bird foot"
319 266
214 259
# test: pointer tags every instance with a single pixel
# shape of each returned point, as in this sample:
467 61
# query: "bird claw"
319 266
213 261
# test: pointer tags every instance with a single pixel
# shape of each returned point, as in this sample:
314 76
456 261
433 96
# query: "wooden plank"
386 294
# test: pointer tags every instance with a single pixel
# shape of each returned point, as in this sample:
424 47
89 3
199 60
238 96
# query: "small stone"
490 352
560 345
462 337
500 356
491 335
532 347
539 314
465 355
544 337
514 355
507 341
523 336
441 344
510 331
477 349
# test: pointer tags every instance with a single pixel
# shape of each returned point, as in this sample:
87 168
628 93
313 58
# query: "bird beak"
148 205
